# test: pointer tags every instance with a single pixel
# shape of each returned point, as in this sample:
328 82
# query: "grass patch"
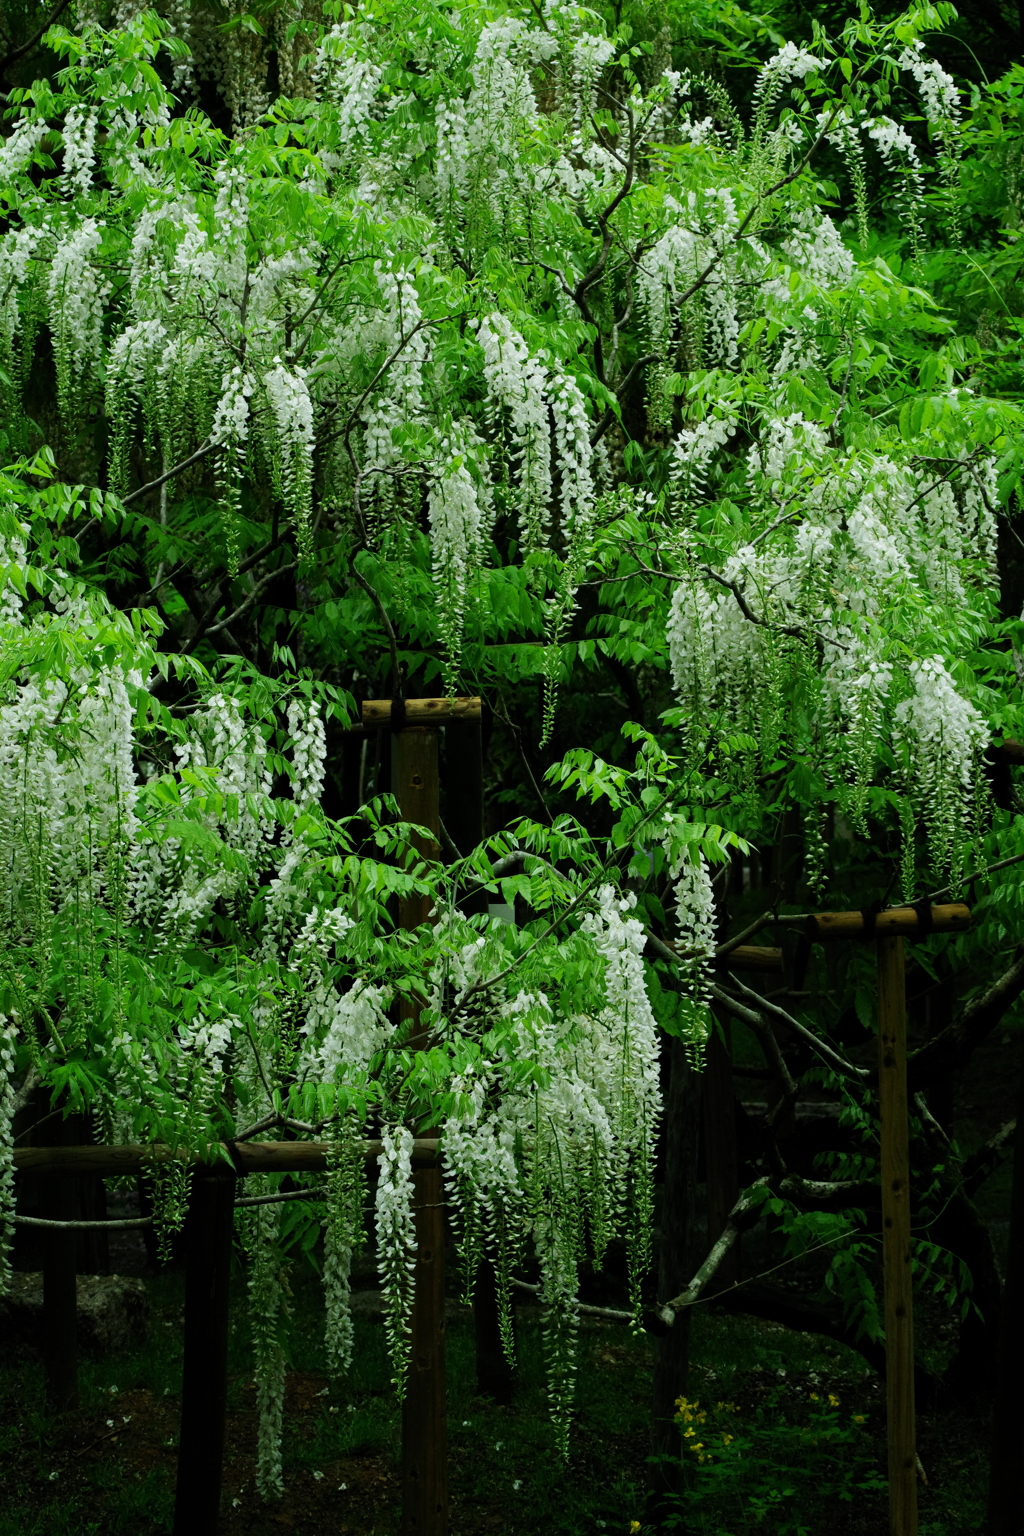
110 1467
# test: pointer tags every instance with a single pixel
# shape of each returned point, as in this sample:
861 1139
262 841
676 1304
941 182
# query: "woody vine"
488 316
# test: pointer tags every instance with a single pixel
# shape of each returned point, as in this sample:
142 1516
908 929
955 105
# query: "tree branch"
154 485
984 1161
37 37
952 1047
820 1047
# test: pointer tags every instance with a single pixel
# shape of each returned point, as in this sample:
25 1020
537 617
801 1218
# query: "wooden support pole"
249 1157
60 1295
910 922
1005 1500
415 784
752 957
204 1390
720 1155
896 1251
376 714
464 823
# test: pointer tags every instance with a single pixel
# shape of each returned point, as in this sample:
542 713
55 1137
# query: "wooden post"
58 1202
1005 1501
424 1427
896 1256
464 823
675 1266
205 1381
60 1297
889 929
720 1155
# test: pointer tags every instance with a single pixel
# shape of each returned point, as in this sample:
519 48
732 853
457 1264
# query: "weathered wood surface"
204 1393
250 1157
752 957
906 922
376 713
896 1237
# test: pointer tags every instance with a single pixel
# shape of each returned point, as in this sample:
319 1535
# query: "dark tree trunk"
204 1395
960 1228
675 1264
721 1159
1005 1501
58 1201
464 823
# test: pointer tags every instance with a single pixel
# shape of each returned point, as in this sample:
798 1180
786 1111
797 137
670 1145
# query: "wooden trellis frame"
415 783
211 1223
889 930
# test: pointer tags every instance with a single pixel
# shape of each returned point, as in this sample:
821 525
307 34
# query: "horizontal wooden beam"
246 1156
376 713
745 957
826 927
752 957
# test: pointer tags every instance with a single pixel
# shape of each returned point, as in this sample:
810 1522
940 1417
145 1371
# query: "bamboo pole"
910 922
204 1392
247 1156
720 1152
896 1250
1005 1503
60 1296
415 784
377 714
464 823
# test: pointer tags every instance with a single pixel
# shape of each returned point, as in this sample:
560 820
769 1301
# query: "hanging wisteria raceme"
396 1244
274 350
457 522
767 623
8 1063
549 1161
477 312
695 936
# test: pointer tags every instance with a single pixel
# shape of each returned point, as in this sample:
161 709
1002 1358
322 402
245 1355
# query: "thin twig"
154 485
247 603
747 933
396 671
835 1061
288 1194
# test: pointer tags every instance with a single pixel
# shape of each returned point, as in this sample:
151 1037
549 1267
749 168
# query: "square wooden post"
204 1392
721 1160
889 929
415 784
896 1242
58 1201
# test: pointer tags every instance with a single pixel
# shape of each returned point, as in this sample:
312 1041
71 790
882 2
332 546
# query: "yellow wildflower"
833 1400
634 1528
814 1397
858 1418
